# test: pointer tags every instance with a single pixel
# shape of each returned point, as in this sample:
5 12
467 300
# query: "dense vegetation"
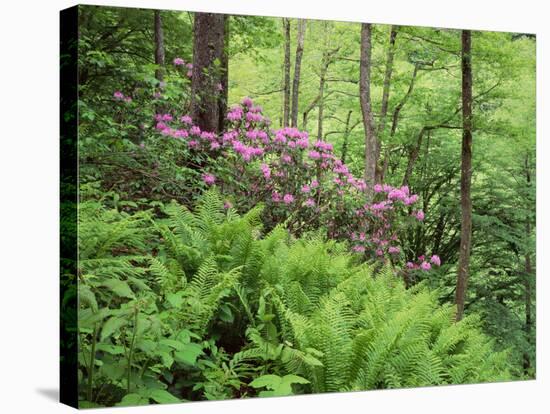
307 238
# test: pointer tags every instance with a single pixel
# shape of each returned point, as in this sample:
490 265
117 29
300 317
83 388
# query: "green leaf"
133 399
119 287
112 325
163 397
189 354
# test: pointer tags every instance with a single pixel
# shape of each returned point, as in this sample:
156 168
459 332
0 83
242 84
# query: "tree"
286 82
159 46
208 57
371 143
297 68
465 176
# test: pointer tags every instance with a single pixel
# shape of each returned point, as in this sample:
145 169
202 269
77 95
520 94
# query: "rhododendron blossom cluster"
302 183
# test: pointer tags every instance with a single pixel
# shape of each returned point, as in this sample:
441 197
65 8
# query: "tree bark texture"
159 46
297 68
371 144
286 82
465 177
208 51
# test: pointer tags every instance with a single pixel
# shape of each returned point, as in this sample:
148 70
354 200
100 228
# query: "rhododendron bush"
301 182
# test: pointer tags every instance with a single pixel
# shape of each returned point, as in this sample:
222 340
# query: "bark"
385 100
346 138
286 84
224 76
159 47
371 142
465 177
527 282
297 68
401 104
208 51
413 156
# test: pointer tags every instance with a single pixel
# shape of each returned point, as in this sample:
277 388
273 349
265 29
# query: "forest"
281 206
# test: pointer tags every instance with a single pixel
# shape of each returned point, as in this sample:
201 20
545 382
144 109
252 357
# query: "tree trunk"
321 103
297 68
159 47
385 100
465 176
208 51
527 282
346 138
224 81
371 144
286 85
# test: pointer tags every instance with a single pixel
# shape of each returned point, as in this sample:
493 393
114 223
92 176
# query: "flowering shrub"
303 184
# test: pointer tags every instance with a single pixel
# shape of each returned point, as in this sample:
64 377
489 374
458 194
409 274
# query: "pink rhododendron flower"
266 171
306 188
359 249
410 265
118 95
288 198
425 266
186 119
393 250
310 202
208 179
247 101
419 215
179 61
435 260
314 155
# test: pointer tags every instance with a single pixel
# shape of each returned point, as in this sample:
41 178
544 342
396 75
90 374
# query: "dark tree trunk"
371 143
385 99
346 138
286 85
527 281
297 68
465 177
208 55
159 47
224 81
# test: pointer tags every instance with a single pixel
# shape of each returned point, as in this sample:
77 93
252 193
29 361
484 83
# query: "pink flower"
179 61
314 155
128 99
314 184
214 145
393 250
419 215
286 158
186 119
425 266
435 260
359 249
377 188
379 252
195 130
306 188
410 265
189 74
266 171
247 101
118 95
411 200
275 196
208 179
288 198
227 205
310 202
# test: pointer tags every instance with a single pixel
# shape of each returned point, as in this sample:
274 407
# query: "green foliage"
184 305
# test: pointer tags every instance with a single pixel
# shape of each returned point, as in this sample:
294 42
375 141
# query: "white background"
29 204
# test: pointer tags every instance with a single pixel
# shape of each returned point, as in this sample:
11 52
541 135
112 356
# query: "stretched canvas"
269 206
